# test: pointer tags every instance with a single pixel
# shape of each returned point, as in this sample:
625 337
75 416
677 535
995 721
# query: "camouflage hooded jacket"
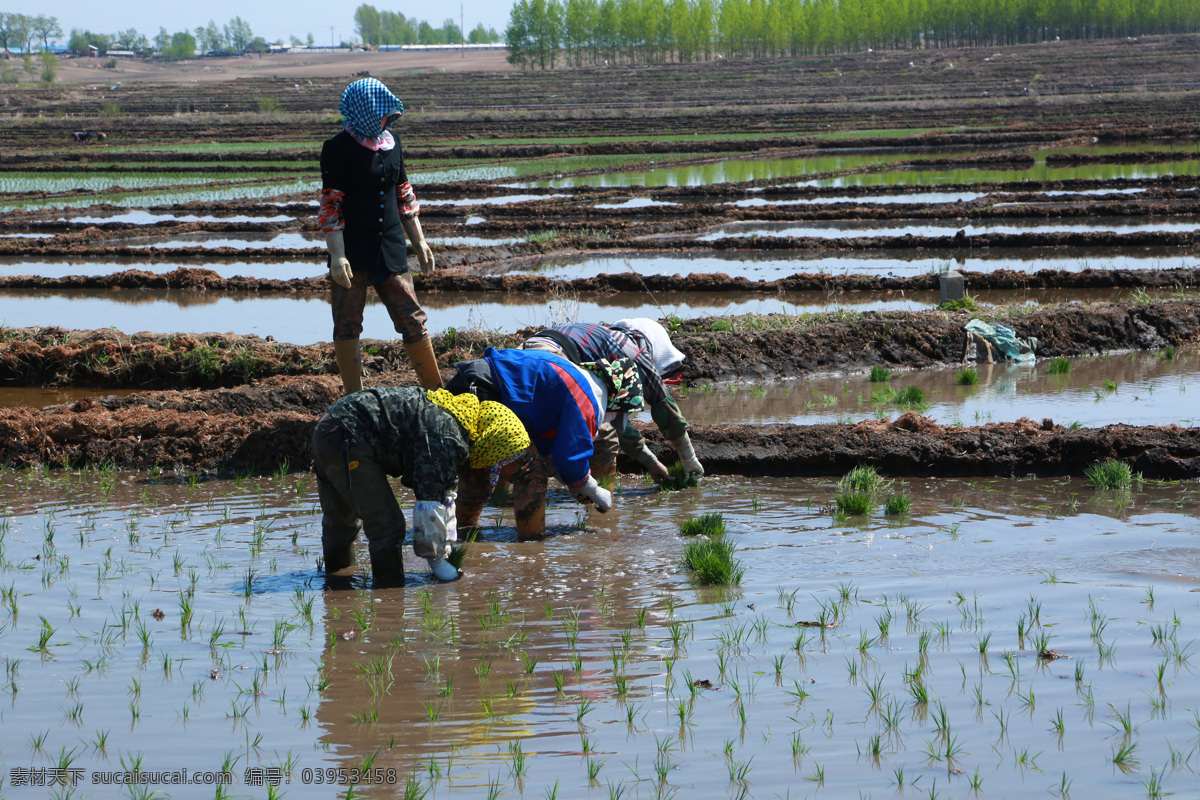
413 438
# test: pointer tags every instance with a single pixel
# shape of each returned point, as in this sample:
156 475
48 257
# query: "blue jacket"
559 403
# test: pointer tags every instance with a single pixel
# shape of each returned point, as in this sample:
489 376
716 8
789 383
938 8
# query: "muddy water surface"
730 171
31 397
1130 388
306 319
154 197
186 625
61 269
771 265
849 228
1040 172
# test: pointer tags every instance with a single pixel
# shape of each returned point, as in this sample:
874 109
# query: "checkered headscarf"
364 102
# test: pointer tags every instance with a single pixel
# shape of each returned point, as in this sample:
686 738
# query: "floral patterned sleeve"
329 217
409 207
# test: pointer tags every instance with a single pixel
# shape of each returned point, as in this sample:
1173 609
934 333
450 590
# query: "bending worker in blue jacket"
648 345
562 406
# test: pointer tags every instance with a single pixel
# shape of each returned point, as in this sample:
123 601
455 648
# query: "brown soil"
266 424
284 66
269 426
202 280
726 349
224 403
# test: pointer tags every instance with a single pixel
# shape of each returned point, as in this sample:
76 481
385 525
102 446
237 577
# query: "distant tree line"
390 27
655 31
20 31
235 37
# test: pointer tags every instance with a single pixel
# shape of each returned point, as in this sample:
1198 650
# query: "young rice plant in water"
1111 474
712 562
1059 366
707 525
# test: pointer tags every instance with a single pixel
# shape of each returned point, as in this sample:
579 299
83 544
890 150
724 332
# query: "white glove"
412 227
595 493
451 519
339 265
434 527
687 457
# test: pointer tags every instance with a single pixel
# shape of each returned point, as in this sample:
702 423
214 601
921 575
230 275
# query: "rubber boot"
337 556
531 519
349 362
605 474
424 363
387 567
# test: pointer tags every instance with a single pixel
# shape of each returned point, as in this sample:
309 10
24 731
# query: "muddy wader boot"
531 517
530 479
387 565
337 554
424 363
340 525
349 363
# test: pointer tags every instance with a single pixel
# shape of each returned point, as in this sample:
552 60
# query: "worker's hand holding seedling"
435 526
687 457
592 492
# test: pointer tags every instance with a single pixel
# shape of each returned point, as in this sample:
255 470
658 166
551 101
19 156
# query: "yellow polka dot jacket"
425 443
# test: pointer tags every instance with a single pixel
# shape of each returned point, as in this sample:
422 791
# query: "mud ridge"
203 280
754 347
140 433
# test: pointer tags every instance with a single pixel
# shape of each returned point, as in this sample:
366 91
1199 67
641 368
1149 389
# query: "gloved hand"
412 228
339 265
593 492
687 457
658 471
435 525
448 502
653 466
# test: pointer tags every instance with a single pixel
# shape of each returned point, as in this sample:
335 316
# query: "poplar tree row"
543 32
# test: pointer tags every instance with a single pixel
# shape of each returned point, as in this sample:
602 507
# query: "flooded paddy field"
1007 630
306 319
1008 636
1136 388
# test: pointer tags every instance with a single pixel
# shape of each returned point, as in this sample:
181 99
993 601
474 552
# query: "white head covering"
665 355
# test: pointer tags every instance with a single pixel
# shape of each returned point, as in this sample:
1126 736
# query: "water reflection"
36 397
306 319
774 264
845 229
584 648
1133 388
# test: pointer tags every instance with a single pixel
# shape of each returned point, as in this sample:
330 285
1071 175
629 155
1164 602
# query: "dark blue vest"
374 234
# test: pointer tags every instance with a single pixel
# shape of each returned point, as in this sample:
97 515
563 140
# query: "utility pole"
462 32
331 43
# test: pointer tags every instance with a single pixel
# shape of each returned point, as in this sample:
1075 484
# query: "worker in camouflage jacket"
423 437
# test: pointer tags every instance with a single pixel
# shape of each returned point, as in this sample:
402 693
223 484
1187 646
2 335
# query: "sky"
271 19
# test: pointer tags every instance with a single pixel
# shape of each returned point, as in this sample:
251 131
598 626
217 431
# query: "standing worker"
425 438
367 208
658 363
